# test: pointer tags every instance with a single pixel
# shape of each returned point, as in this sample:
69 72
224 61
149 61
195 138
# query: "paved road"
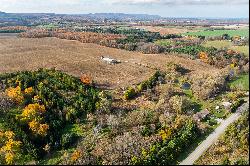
213 137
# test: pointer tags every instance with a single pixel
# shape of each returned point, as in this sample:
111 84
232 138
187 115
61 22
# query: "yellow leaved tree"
9 147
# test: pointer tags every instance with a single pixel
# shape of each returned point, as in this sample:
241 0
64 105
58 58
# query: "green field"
164 42
242 82
48 26
227 44
218 44
240 32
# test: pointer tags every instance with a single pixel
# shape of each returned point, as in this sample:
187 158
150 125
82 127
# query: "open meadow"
220 44
78 58
231 32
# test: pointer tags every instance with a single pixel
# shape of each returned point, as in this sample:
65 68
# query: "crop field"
77 58
241 32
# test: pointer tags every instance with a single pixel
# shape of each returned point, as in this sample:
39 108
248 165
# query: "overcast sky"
166 8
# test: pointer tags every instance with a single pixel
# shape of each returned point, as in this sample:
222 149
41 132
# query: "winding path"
213 137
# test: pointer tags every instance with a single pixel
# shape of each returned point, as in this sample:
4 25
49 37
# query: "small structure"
110 60
201 115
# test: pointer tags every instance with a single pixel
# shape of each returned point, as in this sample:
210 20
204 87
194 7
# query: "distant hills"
122 16
32 19
109 16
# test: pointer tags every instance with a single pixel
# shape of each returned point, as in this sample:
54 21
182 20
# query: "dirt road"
213 137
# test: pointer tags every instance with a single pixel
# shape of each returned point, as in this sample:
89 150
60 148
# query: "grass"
242 49
227 44
240 32
55 158
74 128
165 42
48 26
220 114
242 82
218 44
189 93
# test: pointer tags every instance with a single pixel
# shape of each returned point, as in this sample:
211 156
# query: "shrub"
167 151
9 147
104 103
205 86
212 122
182 104
68 139
86 79
15 94
151 82
130 93
237 104
142 86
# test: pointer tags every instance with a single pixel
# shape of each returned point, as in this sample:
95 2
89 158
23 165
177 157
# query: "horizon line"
179 17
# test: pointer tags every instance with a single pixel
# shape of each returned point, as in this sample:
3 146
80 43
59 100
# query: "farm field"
167 30
232 26
77 58
241 32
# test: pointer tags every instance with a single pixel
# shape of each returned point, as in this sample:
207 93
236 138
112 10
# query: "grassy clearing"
165 42
241 32
48 26
56 157
242 82
219 44
242 49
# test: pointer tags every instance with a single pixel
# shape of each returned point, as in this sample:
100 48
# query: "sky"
165 8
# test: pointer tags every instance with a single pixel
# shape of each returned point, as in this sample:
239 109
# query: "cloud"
179 2
180 8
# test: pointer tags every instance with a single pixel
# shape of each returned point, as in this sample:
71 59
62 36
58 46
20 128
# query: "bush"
212 122
104 104
182 104
68 139
237 104
151 82
130 93
142 86
167 151
205 86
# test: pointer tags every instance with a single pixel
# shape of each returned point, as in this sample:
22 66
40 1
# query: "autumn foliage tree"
86 79
203 56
